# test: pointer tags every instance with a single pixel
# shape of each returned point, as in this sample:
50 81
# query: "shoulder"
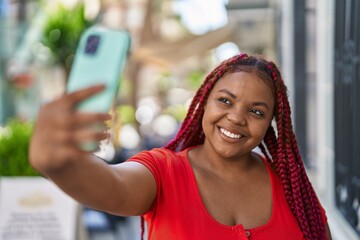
158 158
155 153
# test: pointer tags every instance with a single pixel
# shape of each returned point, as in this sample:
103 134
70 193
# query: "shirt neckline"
237 226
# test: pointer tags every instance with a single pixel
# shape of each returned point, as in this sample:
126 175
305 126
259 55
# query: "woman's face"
237 114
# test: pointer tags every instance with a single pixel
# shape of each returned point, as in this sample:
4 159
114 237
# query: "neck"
227 168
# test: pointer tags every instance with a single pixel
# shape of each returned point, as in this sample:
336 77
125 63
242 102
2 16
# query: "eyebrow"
260 104
224 90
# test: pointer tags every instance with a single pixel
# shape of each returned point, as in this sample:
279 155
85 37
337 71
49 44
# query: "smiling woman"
230 115
240 107
207 183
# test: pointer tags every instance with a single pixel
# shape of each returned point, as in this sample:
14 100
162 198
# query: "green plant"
14 149
195 79
126 114
178 111
62 31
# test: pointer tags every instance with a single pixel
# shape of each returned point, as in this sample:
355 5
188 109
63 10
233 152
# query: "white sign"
32 208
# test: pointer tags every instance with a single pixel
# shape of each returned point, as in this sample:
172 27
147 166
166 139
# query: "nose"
237 117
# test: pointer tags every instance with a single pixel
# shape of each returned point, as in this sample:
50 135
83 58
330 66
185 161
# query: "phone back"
100 59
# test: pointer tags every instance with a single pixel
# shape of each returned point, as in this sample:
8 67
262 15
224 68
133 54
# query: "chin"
228 153
234 151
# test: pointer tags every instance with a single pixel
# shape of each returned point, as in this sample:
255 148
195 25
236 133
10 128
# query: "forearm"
91 182
54 151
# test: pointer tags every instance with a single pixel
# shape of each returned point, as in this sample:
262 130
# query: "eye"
257 112
224 100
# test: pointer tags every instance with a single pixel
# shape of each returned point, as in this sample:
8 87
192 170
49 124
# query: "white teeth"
230 134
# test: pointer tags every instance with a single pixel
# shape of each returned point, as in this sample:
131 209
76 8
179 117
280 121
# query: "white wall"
325 120
287 47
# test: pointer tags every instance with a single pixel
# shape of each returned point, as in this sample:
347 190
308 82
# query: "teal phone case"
100 59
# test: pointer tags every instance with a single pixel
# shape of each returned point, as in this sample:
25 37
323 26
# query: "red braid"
298 190
280 150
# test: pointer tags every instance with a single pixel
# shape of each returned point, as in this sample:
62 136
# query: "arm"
124 189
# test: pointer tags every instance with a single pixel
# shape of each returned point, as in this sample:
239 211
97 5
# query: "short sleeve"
156 160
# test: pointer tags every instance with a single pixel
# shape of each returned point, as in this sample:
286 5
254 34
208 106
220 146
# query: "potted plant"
62 30
14 148
23 192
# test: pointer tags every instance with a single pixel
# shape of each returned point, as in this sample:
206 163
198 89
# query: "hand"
60 130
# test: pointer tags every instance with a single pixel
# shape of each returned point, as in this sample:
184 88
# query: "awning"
165 54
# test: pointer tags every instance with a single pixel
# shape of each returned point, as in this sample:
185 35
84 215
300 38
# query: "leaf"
62 31
14 149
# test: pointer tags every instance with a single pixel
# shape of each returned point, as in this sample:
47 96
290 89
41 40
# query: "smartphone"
100 59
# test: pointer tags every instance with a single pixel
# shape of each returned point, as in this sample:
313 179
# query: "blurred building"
320 57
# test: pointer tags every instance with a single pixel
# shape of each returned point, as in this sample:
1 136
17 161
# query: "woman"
207 183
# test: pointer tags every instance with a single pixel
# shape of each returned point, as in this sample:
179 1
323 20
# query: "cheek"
206 120
260 129
210 117
210 112
264 132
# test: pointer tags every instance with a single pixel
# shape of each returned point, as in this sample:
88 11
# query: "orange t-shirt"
178 211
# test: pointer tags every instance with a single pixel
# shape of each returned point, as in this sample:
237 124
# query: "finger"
68 138
63 138
81 143
90 146
83 119
78 96
90 135
74 120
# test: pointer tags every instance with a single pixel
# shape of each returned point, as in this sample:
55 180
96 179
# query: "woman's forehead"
241 84
242 78
253 73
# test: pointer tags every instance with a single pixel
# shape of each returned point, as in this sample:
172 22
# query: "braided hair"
280 149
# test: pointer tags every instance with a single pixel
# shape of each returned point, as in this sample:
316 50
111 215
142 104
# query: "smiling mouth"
230 134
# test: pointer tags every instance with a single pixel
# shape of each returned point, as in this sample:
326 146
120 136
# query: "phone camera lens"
92 44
